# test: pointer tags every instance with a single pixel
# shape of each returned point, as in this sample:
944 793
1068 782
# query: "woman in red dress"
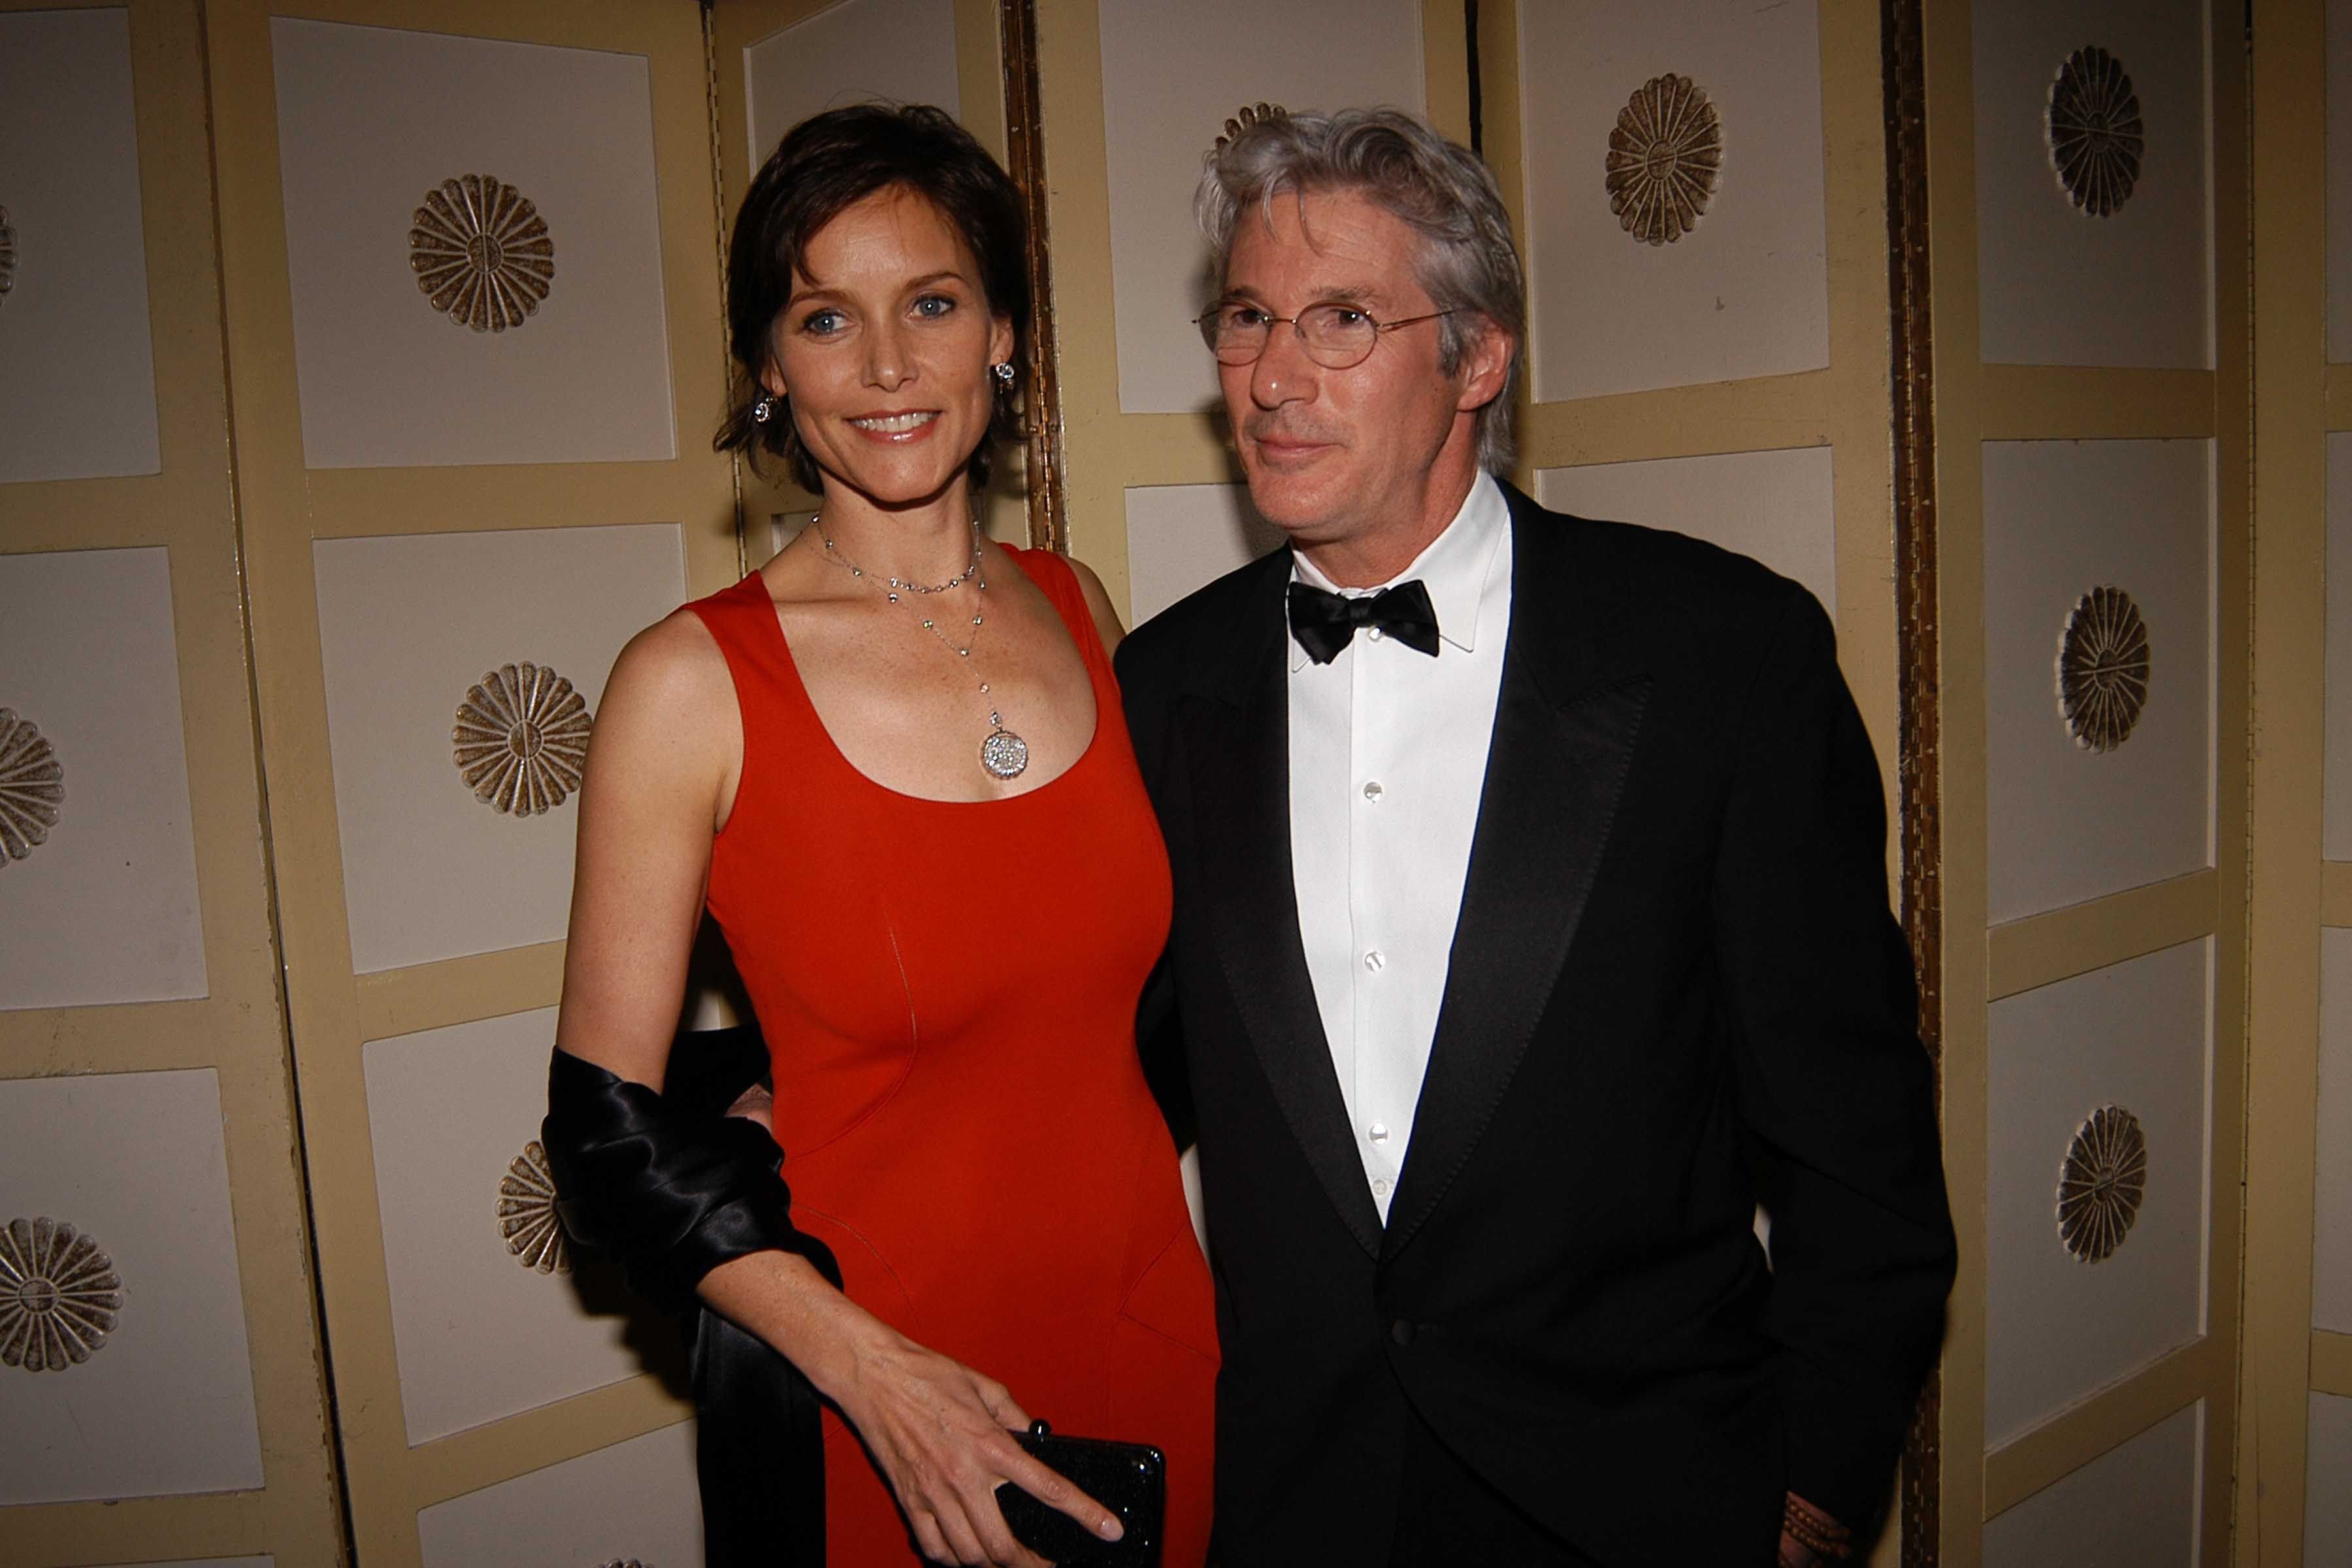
891 764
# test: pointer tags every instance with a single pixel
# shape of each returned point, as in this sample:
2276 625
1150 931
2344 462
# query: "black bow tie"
1326 623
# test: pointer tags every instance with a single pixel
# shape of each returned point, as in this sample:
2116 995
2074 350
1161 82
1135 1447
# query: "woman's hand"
941 1434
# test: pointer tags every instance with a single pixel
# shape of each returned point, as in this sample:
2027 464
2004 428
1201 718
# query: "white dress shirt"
1388 756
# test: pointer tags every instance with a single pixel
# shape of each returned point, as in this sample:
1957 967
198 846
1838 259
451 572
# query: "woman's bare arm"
660 779
666 747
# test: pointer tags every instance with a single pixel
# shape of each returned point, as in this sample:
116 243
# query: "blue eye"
821 323
931 307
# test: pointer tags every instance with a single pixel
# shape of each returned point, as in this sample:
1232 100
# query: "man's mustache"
1265 427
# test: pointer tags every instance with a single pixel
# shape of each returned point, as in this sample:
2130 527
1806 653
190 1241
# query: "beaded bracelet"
1814 1530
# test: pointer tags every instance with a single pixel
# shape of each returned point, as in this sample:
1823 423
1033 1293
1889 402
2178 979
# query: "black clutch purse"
1128 1478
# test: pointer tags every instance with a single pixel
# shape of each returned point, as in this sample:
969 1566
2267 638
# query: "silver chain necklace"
1004 755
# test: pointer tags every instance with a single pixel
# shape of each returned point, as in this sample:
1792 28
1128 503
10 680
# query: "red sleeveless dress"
948 991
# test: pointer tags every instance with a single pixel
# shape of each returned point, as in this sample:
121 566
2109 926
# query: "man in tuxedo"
1531 930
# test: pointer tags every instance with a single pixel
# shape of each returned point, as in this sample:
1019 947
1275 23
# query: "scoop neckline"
755 584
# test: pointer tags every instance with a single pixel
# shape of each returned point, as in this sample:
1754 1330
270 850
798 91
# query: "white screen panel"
371 121
2057 1328
1173 75
2136 1506
2327 1501
634 1499
2057 285
78 395
1778 507
106 911
2331 1284
2338 831
407 626
1182 537
481 1334
2338 181
1746 292
898 51
134 1161
2068 823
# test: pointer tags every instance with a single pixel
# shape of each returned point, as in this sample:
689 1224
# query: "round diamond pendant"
1005 754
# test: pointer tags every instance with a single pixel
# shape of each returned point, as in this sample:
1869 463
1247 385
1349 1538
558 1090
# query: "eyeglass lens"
1335 336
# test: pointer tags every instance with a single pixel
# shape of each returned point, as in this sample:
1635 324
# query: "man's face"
1335 457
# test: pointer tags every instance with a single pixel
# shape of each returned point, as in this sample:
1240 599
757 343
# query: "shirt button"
1372 792
1380 1186
1373 633
1374 961
1379 1132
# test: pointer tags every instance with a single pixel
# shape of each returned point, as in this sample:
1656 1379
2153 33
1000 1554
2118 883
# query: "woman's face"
884 350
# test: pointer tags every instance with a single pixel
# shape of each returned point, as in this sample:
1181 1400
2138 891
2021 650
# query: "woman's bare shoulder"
670 681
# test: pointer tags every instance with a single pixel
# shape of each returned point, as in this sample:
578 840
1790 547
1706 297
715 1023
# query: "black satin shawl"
672 1192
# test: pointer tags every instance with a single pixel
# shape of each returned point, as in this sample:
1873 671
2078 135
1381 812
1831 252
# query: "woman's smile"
897 429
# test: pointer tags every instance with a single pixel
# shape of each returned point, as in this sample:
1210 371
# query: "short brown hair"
824 165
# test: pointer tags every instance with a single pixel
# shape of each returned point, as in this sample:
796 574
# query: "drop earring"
765 408
1003 371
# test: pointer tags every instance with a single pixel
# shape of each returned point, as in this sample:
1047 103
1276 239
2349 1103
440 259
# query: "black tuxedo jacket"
1675 991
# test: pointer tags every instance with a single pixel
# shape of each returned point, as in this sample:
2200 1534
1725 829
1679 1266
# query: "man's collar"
1454 567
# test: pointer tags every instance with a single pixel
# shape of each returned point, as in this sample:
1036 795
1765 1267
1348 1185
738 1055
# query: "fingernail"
1111 1529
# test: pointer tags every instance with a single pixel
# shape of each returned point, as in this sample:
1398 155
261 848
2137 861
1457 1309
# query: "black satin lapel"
1239 758
1554 779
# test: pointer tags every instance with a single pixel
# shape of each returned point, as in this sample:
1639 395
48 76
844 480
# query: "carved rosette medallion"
481 253
622 1563
1249 115
527 1217
522 737
2094 131
59 1296
2102 665
1663 157
32 786
2102 1183
7 254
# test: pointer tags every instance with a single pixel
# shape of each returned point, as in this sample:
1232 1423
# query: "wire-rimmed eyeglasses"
1336 336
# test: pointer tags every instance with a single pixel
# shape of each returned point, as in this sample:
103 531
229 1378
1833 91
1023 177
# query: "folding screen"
160 1363
2084 204
472 287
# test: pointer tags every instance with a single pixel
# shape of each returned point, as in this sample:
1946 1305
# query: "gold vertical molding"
2287 746
1067 51
2232 305
1025 137
1446 66
1910 316
1954 450
1501 145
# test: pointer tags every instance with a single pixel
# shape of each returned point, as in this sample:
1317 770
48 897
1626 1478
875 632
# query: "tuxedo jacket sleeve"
1833 1086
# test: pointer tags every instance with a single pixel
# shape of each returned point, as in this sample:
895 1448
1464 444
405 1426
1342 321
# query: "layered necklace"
1004 755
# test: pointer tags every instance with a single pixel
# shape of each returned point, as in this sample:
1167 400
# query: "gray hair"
1442 191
